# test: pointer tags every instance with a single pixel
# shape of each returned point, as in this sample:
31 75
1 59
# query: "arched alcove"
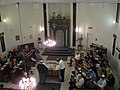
60 31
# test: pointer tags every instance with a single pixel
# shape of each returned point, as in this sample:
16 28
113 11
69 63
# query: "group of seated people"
92 71
17 62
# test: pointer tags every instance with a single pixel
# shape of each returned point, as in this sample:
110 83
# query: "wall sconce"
4 20
41 29
78 30
114 21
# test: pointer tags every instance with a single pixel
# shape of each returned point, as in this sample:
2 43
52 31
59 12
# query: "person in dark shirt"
37 55
42 69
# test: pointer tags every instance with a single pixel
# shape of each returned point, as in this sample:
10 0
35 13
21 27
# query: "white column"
71 25
47 12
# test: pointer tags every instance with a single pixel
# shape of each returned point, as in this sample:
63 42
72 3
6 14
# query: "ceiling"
2 2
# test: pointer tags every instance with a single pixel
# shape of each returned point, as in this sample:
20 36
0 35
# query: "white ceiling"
58 1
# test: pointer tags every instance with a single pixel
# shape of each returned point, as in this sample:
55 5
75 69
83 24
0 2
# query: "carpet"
64 58
49 86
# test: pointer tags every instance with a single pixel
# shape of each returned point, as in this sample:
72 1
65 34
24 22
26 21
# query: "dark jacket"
42 69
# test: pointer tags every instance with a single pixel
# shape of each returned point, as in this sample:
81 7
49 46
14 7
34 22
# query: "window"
2 42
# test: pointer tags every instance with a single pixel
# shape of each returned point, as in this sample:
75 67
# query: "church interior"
83 34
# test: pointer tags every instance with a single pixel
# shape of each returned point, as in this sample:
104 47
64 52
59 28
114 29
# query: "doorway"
114 44
59 38
89 39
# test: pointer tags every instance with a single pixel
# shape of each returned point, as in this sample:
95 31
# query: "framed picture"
30 36
17 37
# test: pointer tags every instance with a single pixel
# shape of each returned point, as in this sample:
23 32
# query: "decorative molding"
59 21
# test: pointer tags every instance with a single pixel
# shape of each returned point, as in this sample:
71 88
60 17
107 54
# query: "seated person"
91 75
101 82
72 78
110 78
77 83
14 62
90 78
71 61
1 85
77 57
82 55
2 61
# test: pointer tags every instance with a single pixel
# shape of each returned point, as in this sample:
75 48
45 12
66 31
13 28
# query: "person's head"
82 53
103 76
1 85
41 61
79 76
90 71
73 73
78 53
58 59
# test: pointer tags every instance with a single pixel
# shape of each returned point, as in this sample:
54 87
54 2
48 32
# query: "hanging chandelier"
49 43
27 83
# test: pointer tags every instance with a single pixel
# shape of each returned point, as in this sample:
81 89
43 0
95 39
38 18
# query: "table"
53 68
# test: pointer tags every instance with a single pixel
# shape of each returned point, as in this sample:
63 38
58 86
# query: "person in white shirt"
78 83
61 68
101 82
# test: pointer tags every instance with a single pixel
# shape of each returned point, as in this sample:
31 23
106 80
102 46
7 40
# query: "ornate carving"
59 21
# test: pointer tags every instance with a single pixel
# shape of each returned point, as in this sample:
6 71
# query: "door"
114 44
89 39
59 38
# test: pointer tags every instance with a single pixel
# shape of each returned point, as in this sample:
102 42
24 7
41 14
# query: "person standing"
42 69
61 69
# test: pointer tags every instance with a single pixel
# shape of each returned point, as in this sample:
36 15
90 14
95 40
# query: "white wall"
31 17
31 21
59 8
100 17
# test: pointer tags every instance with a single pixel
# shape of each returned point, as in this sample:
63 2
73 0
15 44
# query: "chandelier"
49 43
27 83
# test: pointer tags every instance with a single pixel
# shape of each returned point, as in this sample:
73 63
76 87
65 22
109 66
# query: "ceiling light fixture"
27 83
49 42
